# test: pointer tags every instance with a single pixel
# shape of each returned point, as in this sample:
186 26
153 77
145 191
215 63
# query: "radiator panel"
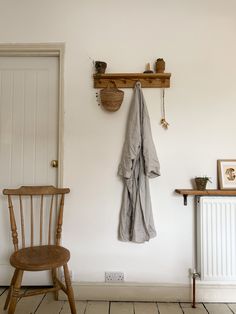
216 241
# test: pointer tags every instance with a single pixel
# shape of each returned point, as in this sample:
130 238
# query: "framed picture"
226 169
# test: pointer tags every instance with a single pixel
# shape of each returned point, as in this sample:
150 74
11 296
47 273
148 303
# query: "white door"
29 112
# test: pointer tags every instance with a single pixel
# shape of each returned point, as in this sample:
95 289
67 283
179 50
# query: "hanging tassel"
163 121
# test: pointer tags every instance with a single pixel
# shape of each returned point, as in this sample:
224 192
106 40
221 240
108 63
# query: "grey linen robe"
138 163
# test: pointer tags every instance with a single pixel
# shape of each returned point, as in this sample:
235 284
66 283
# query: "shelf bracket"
185 196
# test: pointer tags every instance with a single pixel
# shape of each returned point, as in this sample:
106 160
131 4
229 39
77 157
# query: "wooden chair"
30 201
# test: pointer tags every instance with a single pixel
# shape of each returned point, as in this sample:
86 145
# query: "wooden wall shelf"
128 80
186 192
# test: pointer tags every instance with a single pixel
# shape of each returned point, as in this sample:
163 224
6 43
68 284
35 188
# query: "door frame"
45 50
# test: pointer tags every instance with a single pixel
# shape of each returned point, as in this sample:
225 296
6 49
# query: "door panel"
28 131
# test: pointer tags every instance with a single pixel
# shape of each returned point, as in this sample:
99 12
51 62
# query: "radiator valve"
195 274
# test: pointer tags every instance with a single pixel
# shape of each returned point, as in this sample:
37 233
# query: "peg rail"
128 80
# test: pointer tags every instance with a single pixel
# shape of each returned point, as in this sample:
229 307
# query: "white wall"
197 40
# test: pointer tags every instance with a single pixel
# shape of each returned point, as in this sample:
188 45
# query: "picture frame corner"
228 176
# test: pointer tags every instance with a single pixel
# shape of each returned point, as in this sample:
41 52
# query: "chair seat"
38 258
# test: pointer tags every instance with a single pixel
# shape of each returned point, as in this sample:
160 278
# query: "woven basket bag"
111 97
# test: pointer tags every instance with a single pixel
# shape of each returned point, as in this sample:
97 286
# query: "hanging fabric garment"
138 163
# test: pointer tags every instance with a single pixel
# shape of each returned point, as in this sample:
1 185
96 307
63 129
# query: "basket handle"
111 82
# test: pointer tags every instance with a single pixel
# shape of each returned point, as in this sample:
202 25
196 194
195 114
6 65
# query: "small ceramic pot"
160 66
100 67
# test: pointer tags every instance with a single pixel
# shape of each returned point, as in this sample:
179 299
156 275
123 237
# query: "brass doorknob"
54 163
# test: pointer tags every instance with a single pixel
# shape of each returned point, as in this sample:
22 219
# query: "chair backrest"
33 207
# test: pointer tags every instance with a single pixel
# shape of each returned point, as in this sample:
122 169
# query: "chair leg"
70 292
15 291
54 276
9 295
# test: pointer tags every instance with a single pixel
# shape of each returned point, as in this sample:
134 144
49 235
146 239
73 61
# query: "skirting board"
152 292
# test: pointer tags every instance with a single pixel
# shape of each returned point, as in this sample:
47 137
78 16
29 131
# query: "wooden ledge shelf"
128 80
186 192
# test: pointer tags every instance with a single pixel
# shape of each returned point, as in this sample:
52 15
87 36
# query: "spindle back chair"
42 251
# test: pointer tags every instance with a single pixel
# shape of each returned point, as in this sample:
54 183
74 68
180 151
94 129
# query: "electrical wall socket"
113 276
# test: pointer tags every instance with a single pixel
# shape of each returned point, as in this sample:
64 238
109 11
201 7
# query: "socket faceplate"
113 276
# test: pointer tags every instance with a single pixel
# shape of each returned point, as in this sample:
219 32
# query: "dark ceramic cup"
100 67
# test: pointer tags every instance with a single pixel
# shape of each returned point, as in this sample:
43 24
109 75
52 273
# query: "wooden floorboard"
145 308
217 308
98 307
232 306
28 305
49 305
2 299
80 307
45 304
1 291
187 308
121 308
169 308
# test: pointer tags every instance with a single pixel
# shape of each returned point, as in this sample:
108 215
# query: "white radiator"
216 238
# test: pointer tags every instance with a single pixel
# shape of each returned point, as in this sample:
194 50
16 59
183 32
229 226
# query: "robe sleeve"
132 140
151 162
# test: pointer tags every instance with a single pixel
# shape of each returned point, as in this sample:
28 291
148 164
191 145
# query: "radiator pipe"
194 276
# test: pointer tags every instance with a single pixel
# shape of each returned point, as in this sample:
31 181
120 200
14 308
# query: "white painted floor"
45 304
